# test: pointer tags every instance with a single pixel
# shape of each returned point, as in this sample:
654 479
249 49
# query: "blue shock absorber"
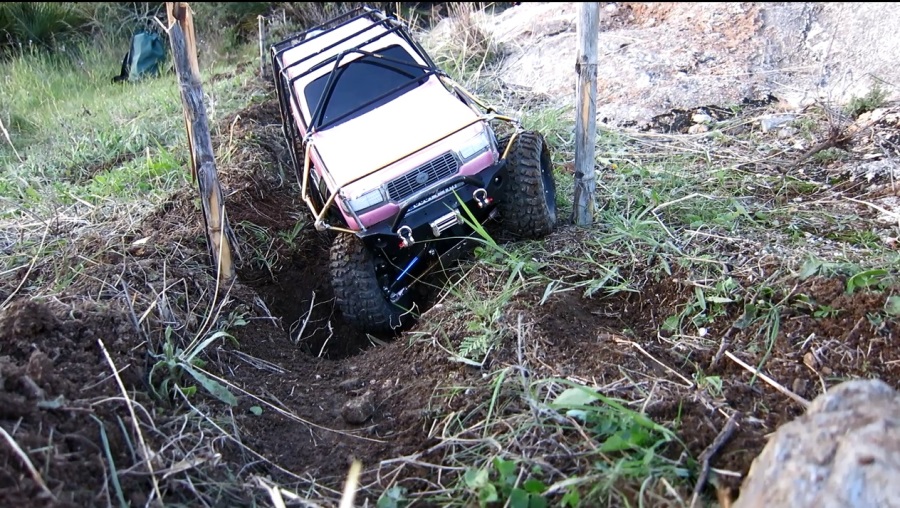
409 266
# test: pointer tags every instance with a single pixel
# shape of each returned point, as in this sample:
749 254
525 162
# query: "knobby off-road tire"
528 207
357 291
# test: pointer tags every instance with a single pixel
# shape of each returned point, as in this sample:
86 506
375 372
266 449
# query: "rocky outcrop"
656 57
844 452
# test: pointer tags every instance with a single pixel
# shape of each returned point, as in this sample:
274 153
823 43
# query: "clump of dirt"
56 388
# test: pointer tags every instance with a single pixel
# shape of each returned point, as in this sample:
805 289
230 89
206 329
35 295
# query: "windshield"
364 80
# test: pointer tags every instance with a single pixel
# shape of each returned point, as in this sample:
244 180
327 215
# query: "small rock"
348 385
787 132
768 123
359 409
697 129
39 366
809 359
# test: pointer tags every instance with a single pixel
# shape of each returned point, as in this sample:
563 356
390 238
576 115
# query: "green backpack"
144 59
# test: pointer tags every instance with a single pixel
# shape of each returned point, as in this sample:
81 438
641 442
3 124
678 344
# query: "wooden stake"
203 161
180 12
586 113
262 46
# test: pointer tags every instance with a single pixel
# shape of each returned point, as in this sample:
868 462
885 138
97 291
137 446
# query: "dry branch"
774 384
35 475
711 450
145 450
9 140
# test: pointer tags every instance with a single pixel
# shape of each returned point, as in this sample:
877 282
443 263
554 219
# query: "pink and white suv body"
386 147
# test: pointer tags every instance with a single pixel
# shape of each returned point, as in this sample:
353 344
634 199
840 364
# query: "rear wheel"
357 284
528 207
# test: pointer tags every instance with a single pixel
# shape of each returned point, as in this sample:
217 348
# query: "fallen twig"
775 384
312 302
637 346
9 140
723 345
134 420
888 213
351 484
35 475
711 450
829 142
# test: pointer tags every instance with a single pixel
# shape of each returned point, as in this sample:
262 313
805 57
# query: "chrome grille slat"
435 170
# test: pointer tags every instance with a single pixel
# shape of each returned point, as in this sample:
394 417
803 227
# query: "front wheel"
357 288
528 207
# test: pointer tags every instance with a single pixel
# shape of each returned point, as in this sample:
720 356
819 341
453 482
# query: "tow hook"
481 198
406 238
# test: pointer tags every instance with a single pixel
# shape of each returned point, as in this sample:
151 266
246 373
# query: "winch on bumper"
435 226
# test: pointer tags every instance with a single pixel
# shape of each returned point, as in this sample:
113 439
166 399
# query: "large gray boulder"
844 452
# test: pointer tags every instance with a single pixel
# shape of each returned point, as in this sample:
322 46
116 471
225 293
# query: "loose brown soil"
296 361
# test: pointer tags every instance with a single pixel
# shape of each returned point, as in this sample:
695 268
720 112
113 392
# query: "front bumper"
438 214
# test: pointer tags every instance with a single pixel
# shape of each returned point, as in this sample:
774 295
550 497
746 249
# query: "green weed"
175 363
503 482
708 304
26 25
873 99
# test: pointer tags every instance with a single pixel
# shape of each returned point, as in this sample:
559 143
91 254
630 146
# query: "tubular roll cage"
284 84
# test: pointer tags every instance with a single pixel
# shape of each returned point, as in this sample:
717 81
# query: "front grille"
423 176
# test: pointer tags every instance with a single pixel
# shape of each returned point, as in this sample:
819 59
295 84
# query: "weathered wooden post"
203 161
586 113
262 47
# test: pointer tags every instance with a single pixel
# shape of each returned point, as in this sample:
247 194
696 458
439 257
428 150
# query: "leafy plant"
174 363
892 306
630 443
500 482
830 155
622 428
872 100
826 311
712 384
705 307
866 279
394 497
42 24
235 318
290 237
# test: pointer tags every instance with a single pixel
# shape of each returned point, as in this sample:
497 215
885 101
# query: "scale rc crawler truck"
399 161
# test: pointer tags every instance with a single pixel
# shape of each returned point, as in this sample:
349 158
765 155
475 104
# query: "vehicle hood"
392 131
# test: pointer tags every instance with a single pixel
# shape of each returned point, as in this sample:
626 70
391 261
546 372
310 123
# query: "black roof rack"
389 23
